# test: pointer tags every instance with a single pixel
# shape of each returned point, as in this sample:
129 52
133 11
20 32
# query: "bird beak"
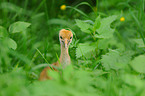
65 42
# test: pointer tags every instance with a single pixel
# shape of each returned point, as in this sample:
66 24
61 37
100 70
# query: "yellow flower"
122 19
63 7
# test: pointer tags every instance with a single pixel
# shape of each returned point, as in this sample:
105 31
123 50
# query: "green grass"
108 55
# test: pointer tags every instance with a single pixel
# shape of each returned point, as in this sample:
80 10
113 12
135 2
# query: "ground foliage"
107 51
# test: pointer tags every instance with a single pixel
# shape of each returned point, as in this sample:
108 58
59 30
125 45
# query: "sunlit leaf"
84 49
132 80
12 83
138 63
104 30
115 60
11 43
68 74
19 26
97 23
105 43
54 74
139 42
85 27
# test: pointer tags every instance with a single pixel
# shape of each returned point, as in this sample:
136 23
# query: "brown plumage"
65 38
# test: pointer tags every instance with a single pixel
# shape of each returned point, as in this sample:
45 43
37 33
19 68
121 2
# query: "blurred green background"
107 51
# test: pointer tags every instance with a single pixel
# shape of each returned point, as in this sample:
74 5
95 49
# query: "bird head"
65 37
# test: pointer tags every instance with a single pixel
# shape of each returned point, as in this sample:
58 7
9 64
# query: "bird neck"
64 57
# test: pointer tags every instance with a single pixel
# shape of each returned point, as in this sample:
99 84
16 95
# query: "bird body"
65 38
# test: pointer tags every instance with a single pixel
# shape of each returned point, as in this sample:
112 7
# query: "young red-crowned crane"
65 38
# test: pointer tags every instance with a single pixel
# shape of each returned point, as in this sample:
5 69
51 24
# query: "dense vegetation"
107 52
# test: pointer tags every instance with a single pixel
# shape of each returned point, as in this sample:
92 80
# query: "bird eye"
61 37
70 37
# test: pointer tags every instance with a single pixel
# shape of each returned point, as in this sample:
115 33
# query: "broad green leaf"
102 82
109 42
115 60
19 26
15 80
83 79
53 74
84 49
97 23
104 30
132 80
139 42
68 74
3 32
11 43
85 27
138 63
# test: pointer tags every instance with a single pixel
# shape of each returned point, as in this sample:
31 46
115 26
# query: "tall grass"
107 54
